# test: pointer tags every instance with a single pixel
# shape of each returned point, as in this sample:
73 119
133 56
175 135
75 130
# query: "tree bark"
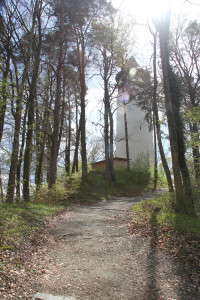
195 150
183 203
3 107
15 146
155 181
163 30
56 124
112 171
75 161
157 121
20 159
106 131
4 94
68 141
126 138
83 117
1 187
31 112
188 204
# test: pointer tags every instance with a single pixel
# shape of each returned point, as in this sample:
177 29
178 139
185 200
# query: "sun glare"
143 8
155 8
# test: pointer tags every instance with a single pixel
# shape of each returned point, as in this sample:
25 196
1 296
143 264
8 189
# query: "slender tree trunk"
55 136
68 141
40 144
163 30
15 147
184 199
155 156
111 143
77 129
38 171
1 187
126 138
106 131
188 204
18 185
83 117
75 161
3 110
75 166
42 132
31 110
157 121
4 96
195 150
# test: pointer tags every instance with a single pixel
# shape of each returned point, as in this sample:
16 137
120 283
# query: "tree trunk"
83 117
195 150
18 185
4 96
106 131
1 187
184 199
155 182
188 204
126 138
77 129
3 110
56 124
111 144
31 109
157 121
15 146
68 141
163 30
75 161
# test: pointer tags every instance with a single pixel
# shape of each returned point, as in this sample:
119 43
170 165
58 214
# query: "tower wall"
140 138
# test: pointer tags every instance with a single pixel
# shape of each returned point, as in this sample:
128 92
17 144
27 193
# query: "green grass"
94 186
175 233
20 220
166 217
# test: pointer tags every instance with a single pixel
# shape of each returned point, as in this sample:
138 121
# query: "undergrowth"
166 217
19 220
176 233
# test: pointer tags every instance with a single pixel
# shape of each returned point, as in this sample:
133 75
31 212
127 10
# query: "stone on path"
43 296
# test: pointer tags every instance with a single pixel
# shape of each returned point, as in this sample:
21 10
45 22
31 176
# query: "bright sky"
141 11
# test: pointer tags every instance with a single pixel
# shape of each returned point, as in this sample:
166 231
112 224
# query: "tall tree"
18 112
186 58
183 202
156 115
31 103
82 17
57 105
108 58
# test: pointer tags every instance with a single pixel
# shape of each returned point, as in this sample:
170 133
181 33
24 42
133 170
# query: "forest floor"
87 252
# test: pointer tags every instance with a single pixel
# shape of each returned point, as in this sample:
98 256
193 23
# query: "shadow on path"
152 289
178 278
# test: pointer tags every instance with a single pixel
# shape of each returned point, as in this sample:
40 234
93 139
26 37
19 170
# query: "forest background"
52 53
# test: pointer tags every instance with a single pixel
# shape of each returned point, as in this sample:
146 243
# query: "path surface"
91 255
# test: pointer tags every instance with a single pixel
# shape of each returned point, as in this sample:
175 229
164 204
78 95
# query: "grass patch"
94 186
19 220
166 217
176 233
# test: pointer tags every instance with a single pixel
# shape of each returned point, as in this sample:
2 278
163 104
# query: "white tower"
140 138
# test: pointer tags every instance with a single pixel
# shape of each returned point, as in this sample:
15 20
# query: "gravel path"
91 255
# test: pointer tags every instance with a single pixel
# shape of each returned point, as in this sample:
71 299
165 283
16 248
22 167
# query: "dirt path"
90 255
